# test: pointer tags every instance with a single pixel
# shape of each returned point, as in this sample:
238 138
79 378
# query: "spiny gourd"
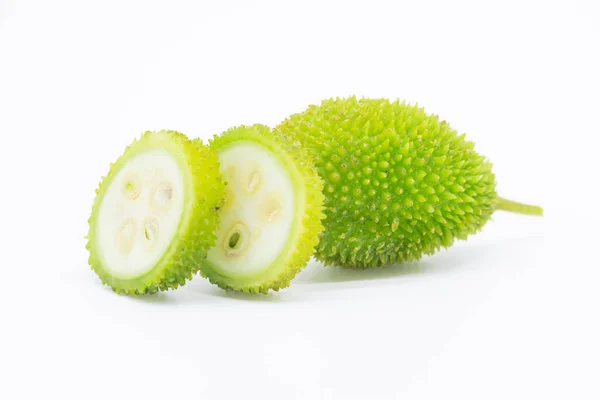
155 215
271 219
399 183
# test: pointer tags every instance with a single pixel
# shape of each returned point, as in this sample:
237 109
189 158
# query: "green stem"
520 208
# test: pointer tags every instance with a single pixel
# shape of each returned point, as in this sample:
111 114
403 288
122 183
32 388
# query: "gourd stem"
519 208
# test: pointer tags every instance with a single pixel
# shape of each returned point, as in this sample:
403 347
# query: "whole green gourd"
399 182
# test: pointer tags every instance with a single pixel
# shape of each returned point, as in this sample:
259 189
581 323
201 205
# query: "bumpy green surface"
399 183
204 195
307 227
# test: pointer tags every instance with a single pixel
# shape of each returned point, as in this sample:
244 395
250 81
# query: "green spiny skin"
155 214
271 219
399 183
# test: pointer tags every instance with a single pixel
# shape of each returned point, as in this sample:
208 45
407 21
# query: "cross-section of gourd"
155 214
271 219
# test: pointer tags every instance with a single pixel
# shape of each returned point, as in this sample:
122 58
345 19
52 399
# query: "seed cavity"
237 240
125 236
252 178
132 187
161 196
271 207
229 199
150 232
230 175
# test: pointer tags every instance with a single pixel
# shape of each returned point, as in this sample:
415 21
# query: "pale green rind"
304 235
204 195
399 183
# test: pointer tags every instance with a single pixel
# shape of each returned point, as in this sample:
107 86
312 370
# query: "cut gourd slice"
155 214
271 220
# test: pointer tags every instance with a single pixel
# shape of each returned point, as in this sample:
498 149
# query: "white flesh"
136 222
259 206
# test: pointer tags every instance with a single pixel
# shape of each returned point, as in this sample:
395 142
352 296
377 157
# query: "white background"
512 313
